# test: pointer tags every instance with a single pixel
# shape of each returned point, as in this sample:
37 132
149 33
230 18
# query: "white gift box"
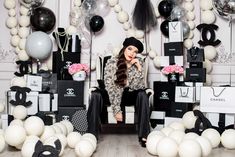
214 118
129 119
185 94
175 31
32 96
48 104
158 115
217 99
34 82
165 60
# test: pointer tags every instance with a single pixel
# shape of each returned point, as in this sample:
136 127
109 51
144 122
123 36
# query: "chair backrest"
101 62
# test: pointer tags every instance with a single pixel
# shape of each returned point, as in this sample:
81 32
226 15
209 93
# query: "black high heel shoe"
142 142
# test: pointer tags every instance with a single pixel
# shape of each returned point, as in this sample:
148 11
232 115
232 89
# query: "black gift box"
196 74
195 54
179 109
164 95
173 49
76 115
196 65
60 64
70 93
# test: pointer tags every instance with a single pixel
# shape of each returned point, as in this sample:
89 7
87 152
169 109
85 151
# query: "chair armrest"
150 93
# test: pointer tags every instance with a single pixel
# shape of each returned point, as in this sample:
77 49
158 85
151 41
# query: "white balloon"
206 5
47 132
177 135
91 136
15 135
62 138
190 136
68 125
208 17
12 12
22 43
17 122
189 148
23 32
167 147
152 54
189 6
38 45
191 24
157 62
191 34
157 12
123 17
62 127
34 126
11 22
14 31
205 144
24 10
28 147
188 43
210 52
139 34
112 3
18 81
189 119
152 142
84 148
15 40
227 139
131 33
20 112
73 138
213 136
10 4
127 25
2 107
167 130
190 15
51 142
208 65
24 21
71 30
117 8
177 126
23 56
77 2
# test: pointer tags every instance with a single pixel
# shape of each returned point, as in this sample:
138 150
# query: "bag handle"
219 92
183 94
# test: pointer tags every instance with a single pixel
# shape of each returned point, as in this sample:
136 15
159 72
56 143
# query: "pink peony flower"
172 69
76 67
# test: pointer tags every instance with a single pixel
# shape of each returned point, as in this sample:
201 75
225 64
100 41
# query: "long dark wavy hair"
122 68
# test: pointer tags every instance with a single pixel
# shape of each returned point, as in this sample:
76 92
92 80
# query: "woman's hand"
136 62
118 116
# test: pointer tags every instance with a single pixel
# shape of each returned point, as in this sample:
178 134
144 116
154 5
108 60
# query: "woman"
126 72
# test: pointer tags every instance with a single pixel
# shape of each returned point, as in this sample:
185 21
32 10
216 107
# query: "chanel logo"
205 29
68 64
23 67
41 150
164 95
70 91
20 96
65 117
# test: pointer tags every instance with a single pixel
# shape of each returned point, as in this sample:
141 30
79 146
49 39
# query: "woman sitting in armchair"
122 72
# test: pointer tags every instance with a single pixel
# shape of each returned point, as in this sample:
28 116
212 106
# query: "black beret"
134 42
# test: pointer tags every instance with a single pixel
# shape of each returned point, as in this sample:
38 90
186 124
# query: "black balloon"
96 23
42 19
165 28
164 8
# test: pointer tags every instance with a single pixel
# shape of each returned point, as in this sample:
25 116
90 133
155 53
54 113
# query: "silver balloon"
175 2
225 8
89 6
186 29
36 3
103 8
178 13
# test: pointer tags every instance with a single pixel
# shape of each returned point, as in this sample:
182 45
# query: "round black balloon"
42 19
164 8
165 28
96 23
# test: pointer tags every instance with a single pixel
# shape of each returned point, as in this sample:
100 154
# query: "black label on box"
173 49
196 74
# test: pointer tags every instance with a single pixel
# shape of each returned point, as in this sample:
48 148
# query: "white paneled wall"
112 36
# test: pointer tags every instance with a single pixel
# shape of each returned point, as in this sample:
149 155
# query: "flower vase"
173 78
79 76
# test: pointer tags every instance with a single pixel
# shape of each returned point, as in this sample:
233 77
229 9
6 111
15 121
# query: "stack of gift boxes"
168 105
51 95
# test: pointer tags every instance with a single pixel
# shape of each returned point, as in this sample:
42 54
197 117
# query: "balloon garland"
19 27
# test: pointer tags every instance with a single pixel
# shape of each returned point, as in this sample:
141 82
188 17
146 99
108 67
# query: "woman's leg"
142 114
93 114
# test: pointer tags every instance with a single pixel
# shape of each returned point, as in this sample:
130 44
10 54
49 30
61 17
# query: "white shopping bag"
217 99
184 94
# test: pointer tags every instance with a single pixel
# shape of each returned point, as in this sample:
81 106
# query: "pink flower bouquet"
77 67
171 69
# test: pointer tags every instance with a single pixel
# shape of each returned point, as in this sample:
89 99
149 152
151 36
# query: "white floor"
119 146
